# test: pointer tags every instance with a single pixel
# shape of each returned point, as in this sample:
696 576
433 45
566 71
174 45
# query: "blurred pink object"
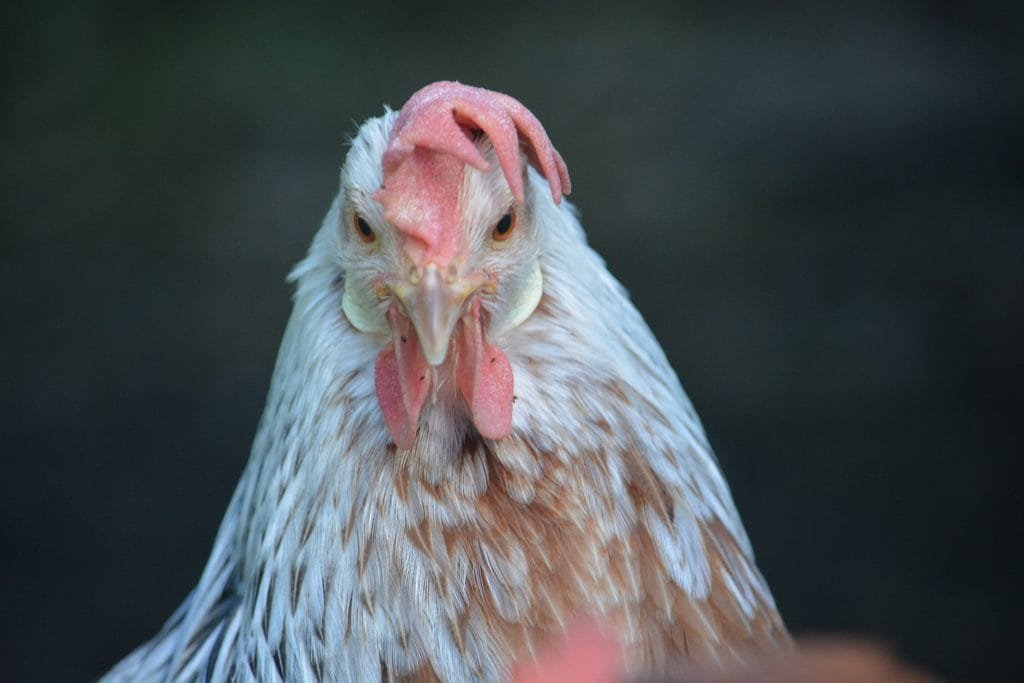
587 654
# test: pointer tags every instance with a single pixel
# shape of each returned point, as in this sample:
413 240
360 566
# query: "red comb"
432 140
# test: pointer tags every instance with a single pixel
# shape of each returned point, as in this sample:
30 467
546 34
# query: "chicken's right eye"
363 229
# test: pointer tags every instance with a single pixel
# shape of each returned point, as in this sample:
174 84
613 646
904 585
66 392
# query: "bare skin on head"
430 147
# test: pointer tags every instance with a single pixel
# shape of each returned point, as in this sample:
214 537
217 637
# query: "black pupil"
364 227
504 224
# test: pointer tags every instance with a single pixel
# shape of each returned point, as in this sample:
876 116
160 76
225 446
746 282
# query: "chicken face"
440 250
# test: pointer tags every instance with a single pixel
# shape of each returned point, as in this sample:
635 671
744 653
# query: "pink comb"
432 141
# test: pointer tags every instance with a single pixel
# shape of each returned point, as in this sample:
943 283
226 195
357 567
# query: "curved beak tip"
435 352
434 306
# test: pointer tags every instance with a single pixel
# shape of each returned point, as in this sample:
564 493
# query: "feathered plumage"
409 511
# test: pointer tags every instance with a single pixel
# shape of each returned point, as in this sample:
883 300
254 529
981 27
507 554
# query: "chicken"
471 442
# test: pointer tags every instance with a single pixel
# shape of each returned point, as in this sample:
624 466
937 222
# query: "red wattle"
402 379
484 375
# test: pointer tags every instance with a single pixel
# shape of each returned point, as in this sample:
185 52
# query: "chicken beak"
434 301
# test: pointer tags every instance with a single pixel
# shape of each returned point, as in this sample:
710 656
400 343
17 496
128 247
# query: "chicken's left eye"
363 229
504 227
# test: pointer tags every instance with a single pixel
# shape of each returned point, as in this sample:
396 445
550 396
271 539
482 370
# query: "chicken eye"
363 229
504 227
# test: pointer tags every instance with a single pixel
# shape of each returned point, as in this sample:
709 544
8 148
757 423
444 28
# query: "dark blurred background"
817 208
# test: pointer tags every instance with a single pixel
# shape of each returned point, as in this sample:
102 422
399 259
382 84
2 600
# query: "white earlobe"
363 318
525 301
